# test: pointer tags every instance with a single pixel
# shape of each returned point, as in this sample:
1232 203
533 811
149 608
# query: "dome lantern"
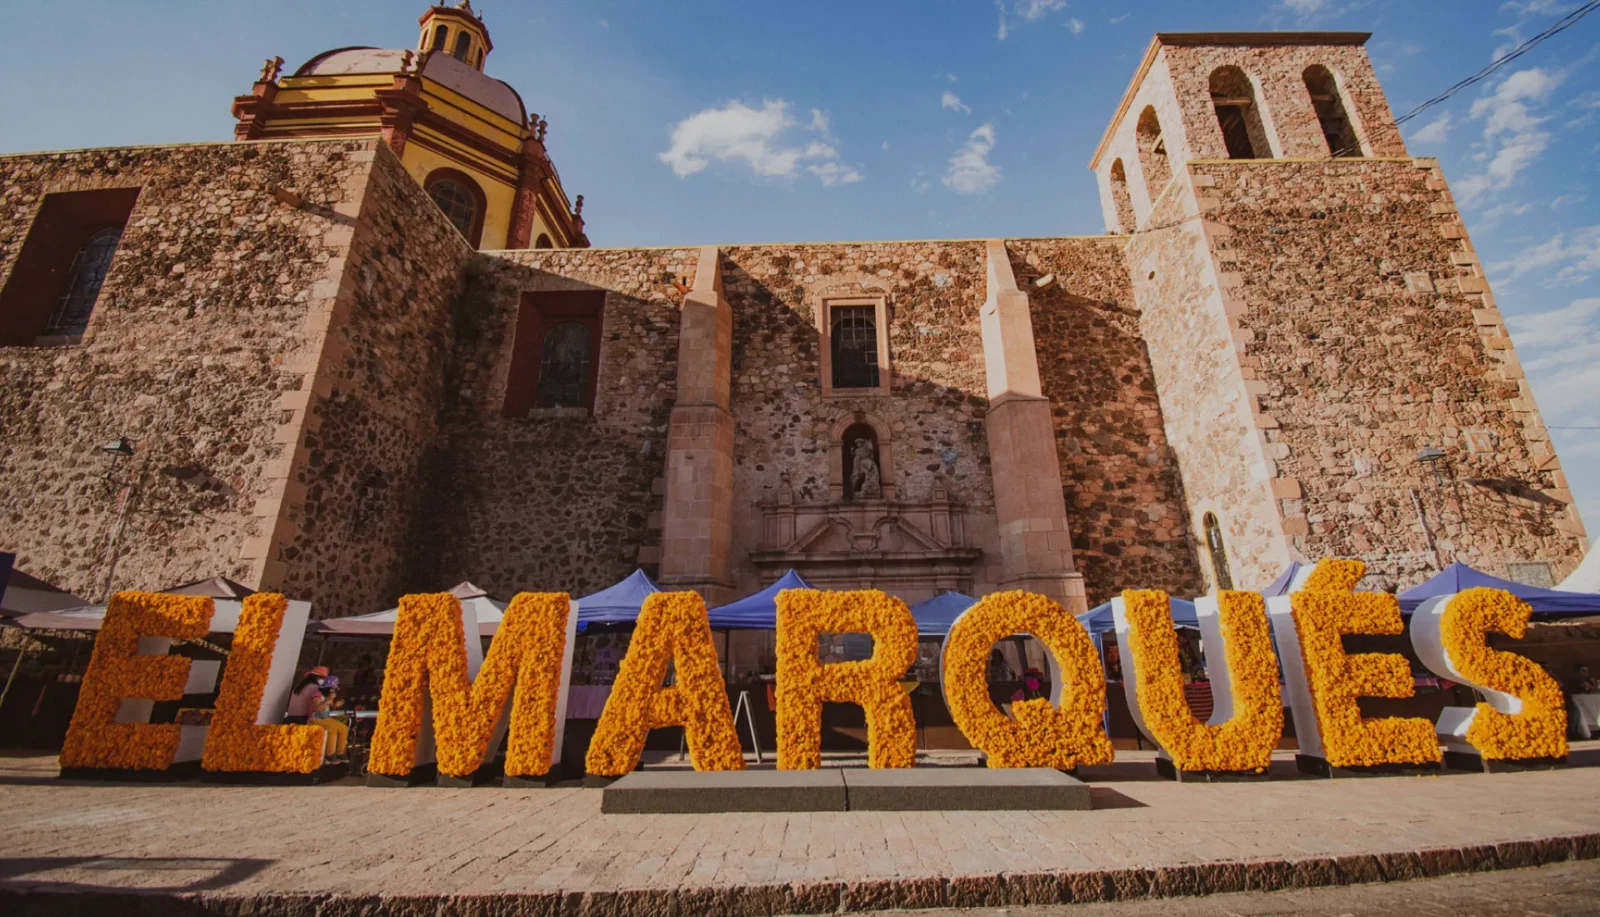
457 31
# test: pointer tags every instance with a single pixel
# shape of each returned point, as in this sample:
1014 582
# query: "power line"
1561 25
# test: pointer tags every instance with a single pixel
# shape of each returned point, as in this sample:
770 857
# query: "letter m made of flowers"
429 654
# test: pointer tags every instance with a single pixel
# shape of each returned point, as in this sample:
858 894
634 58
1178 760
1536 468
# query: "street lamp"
117 450
1434 458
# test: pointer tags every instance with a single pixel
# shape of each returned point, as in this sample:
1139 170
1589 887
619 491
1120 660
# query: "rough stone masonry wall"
380 383
1357 292
1225 465
939 392
184 355
560 504
1124 496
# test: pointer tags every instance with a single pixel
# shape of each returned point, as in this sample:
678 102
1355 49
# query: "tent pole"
27 645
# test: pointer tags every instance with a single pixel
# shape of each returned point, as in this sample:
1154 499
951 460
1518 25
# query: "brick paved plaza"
555 852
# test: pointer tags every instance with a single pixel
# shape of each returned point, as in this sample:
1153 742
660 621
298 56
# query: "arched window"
863 464
1239 115
463 45
543 242
1121 199
461 200
1152 153
440 35
854 336
1218 551
1331 113
564 366
89 268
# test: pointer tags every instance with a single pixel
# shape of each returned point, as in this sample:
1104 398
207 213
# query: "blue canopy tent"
617 604
934 616
759 611
1458 577
1098 620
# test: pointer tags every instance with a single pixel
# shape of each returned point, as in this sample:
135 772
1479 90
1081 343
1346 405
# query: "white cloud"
1567 200
920 184
1035 9
758 139
1499 213
1001 33
605 23
1537 7
1513 138
1076 25
833 173
970 170
953 102
1118 20
886 144
1434 131
1305 7
1563 259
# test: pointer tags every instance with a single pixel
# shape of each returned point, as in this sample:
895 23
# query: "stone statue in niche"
864 479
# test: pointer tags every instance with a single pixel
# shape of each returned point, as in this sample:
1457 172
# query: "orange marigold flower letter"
1247 716
532 652
1526 715
1324 681
672 627
244 734
1063 732
804 683
100 735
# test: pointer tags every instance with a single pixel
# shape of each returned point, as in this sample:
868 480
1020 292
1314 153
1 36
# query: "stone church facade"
330 392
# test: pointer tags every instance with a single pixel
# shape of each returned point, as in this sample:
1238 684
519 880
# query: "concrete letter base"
1467 761
949 789
927 789
1319 767
1166 770
681 791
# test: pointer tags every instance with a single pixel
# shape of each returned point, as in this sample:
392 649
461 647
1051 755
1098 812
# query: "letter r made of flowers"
805 683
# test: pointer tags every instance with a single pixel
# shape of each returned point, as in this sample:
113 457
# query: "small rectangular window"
57 277
555 354
855 354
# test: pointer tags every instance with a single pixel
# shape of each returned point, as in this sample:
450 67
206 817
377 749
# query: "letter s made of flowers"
1525 715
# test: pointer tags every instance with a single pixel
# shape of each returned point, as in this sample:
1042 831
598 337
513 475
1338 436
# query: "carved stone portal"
901 546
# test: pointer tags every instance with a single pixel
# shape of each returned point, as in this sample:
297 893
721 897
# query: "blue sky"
715 121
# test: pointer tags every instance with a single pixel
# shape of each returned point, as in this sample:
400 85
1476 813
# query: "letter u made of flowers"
805 683
431 653
1247 710
245 735
105 734
672 628
1324 681
1063 732
1525 716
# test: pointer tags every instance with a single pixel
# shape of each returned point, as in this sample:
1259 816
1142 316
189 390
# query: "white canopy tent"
381 623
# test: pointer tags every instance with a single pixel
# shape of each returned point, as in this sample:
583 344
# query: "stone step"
923 789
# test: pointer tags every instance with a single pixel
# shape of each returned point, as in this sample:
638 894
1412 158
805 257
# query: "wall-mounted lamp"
1433 457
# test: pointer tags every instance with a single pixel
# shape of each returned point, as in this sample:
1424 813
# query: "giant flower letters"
672 627
1061 735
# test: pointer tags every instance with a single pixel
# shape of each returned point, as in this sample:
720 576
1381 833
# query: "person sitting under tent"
305 705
